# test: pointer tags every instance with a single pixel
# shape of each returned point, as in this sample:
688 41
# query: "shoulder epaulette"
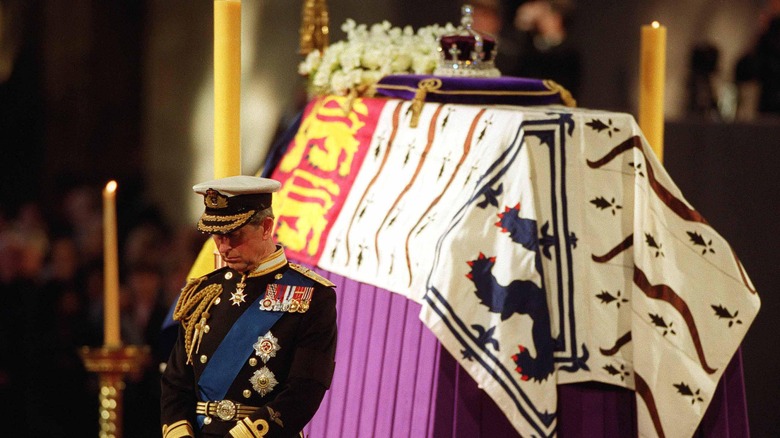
311 274
189 299
214 272
186 294
192 310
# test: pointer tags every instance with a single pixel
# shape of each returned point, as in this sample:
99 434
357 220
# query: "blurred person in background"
702 77
143 313
536 44
757 73
39 333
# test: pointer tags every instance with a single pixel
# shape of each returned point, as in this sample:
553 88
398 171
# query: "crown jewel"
467 52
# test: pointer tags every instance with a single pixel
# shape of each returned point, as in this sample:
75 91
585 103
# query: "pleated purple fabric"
394 379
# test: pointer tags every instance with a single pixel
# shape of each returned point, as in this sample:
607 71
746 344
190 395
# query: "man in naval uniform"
257 338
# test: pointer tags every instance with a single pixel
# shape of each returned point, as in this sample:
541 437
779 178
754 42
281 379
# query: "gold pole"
306 44
112 364
322 28
227 88
315 29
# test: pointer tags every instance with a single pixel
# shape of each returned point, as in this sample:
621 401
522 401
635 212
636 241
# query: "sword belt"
224 410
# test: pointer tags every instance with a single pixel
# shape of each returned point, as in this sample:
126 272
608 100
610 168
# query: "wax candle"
111 334
652 76
227 88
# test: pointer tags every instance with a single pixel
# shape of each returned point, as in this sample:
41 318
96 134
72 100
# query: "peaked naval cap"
230 202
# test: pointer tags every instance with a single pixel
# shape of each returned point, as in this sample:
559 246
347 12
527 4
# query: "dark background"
76 107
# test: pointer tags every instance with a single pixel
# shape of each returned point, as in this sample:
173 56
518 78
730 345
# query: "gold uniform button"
247 393
203 359
278 276
217 301
206 329
228 275
207 421
252 361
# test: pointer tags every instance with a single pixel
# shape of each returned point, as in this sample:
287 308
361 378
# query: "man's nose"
223 244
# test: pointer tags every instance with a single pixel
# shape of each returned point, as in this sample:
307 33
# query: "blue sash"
230 356
232 353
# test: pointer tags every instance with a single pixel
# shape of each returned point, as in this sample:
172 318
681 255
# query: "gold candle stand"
112 364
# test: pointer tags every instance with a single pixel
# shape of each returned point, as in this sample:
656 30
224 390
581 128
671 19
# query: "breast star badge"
263 381
266 346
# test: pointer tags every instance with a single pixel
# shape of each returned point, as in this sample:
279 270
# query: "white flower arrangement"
368 54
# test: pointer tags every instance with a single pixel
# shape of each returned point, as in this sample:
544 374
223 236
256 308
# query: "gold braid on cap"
192 310
232 219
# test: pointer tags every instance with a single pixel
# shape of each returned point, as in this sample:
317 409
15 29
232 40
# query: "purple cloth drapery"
394 379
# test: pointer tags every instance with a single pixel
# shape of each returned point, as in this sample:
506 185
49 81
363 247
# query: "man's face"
245 248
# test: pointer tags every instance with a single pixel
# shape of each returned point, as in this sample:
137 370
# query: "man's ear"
268 227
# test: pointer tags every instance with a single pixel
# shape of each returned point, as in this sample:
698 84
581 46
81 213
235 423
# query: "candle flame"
111 186
655 24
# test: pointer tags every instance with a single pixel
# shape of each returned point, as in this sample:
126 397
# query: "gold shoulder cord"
192 310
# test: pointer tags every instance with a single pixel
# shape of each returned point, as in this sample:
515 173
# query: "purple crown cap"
467 52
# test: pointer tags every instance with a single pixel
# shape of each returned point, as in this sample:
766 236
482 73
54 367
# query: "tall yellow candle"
111 334
652 76
227 88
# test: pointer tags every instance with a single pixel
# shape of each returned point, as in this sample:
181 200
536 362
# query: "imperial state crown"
467 52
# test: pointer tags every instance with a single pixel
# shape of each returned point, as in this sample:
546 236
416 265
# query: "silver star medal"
266 346
263 381
238 296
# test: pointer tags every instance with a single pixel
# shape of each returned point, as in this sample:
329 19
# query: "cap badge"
214 199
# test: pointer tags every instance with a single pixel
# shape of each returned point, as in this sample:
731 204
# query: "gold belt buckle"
226 410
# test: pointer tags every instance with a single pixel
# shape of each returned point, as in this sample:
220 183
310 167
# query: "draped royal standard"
547 246
318 169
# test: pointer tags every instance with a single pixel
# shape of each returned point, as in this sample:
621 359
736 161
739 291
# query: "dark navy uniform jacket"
301 359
